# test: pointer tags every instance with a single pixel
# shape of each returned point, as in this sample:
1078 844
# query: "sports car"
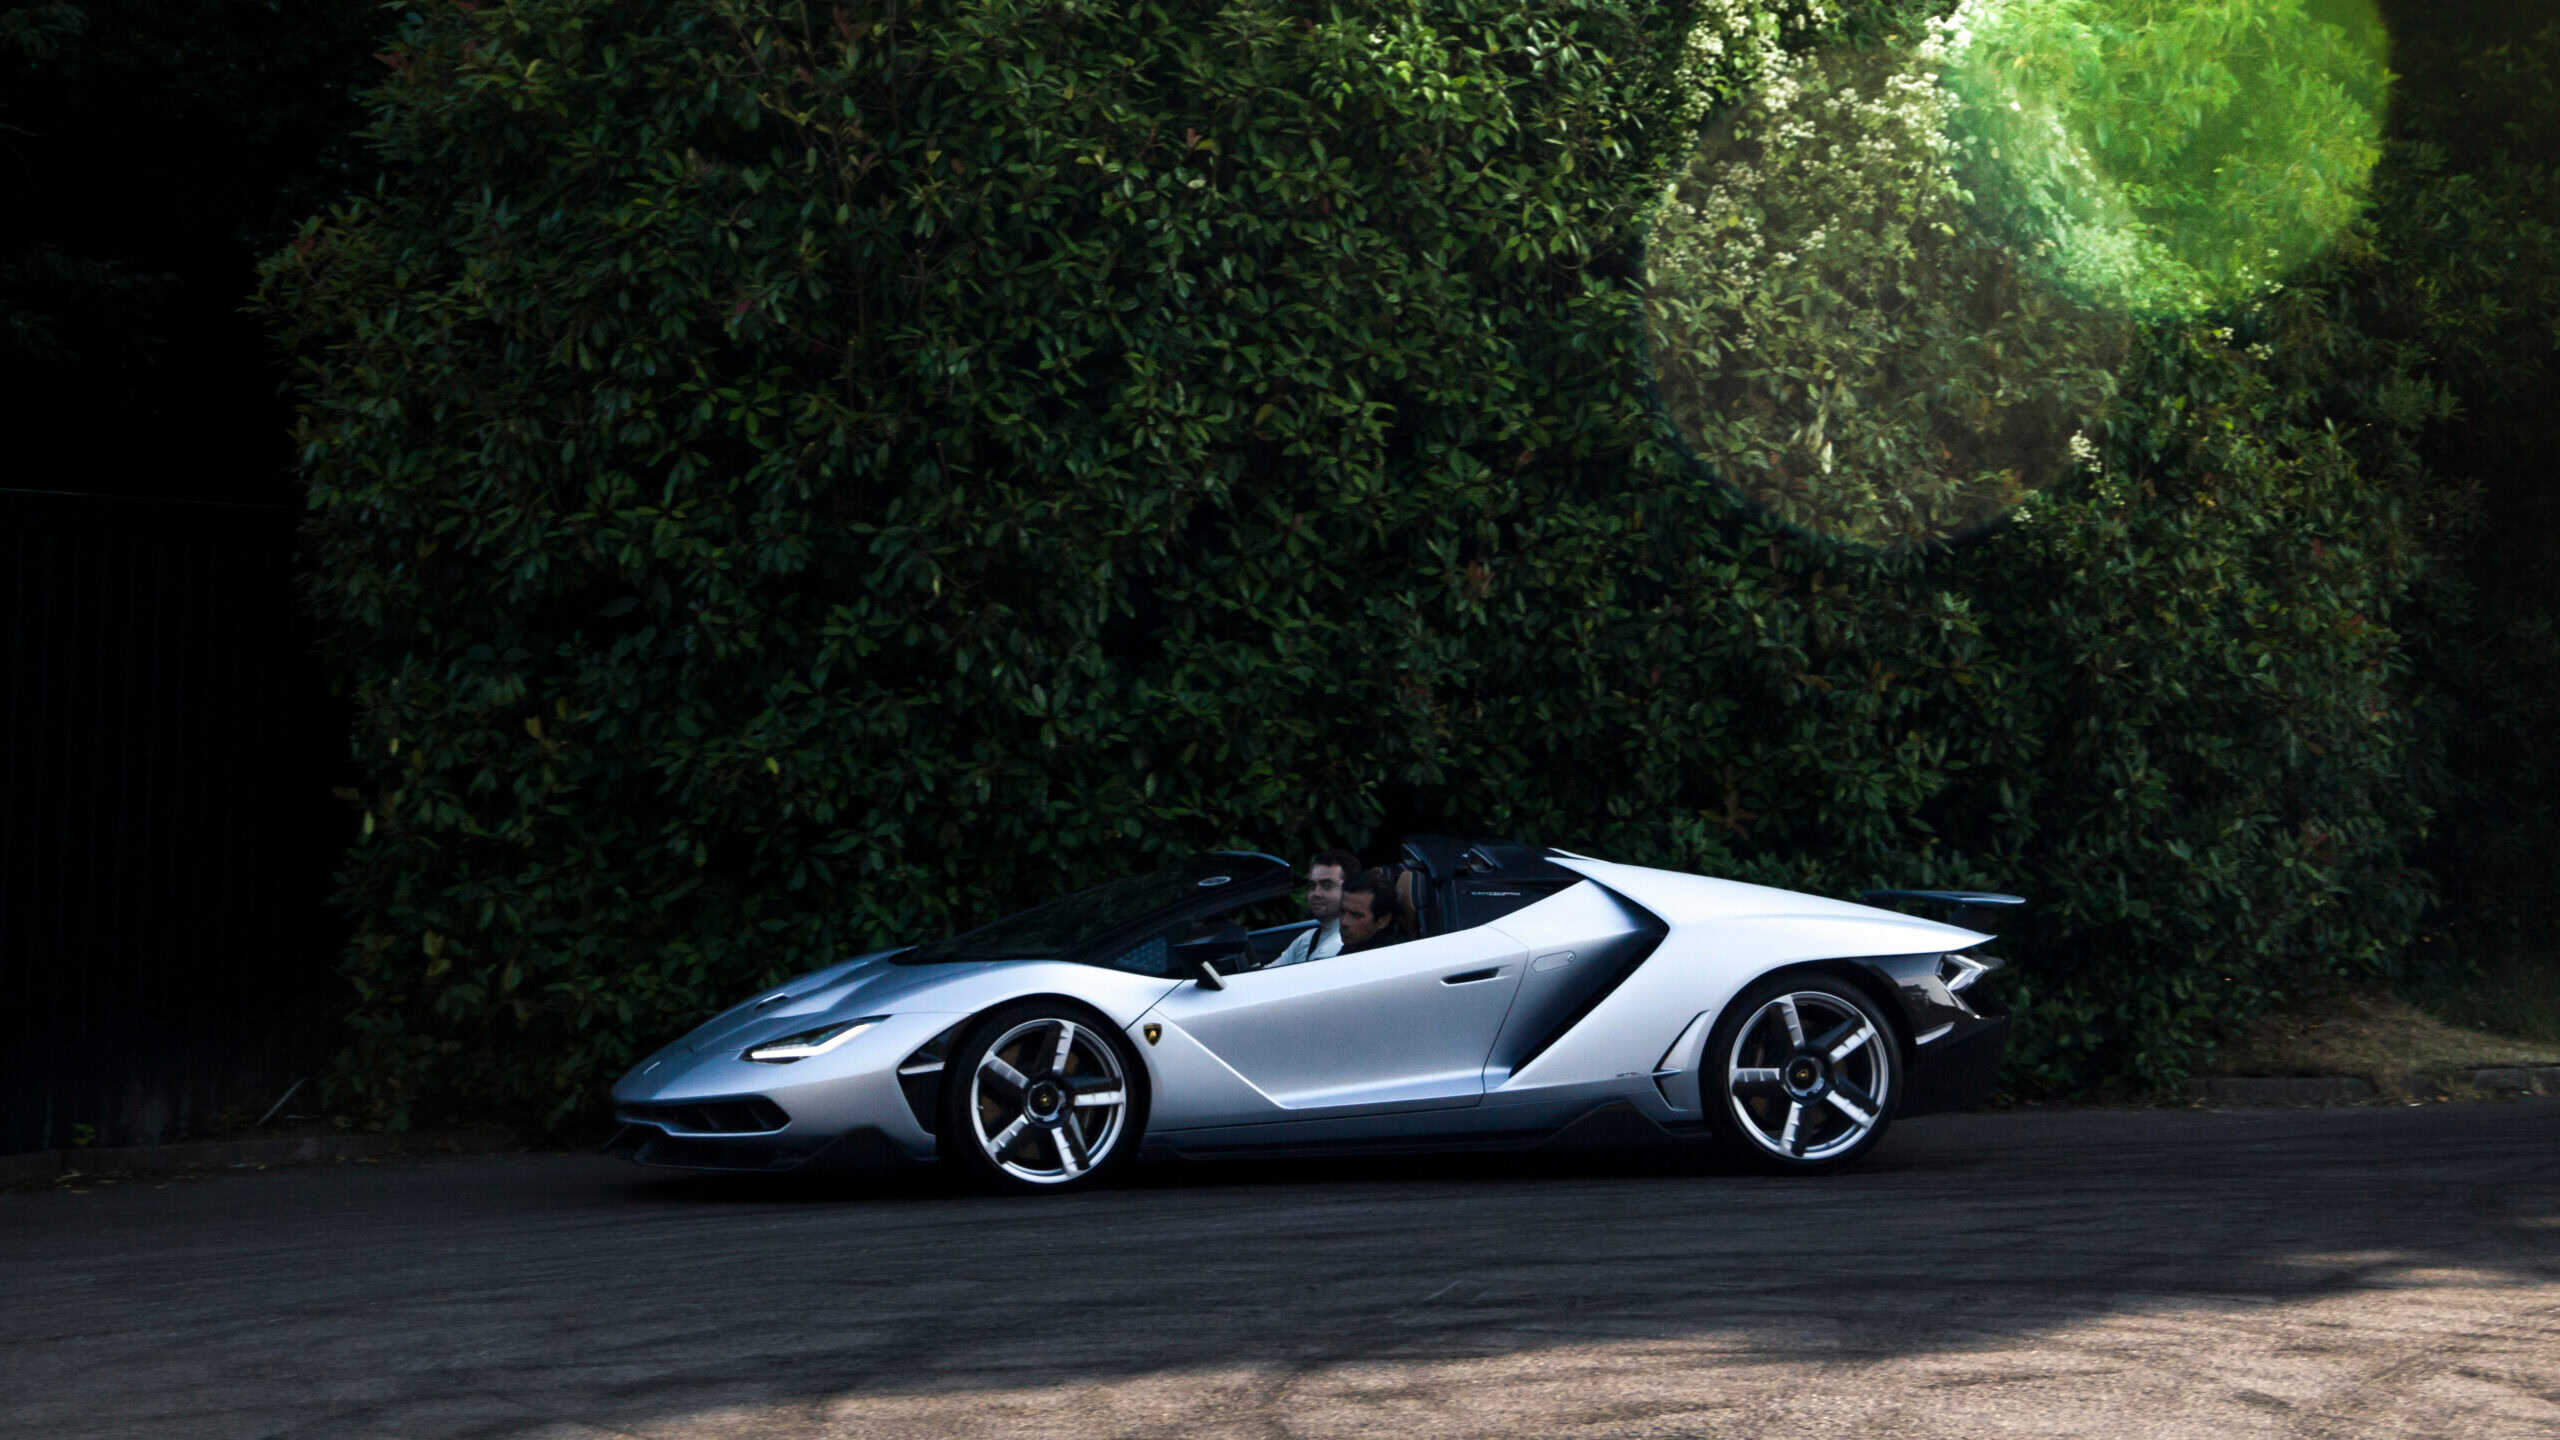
1540 991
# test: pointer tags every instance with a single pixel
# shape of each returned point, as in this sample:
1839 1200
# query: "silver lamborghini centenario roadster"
1540 989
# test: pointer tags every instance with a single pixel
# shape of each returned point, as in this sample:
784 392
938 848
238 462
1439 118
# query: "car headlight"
811 1042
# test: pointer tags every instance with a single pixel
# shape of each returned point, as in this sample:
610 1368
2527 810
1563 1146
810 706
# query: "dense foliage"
2170 155
1836 333
789 478
2469 226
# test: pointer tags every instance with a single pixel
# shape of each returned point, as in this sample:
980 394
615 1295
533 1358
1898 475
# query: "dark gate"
167 749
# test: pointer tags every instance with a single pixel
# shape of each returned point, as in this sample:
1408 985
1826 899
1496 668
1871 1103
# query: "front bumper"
864 1150
717 1111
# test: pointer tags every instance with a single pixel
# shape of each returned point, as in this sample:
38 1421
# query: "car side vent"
920 1077
1630 953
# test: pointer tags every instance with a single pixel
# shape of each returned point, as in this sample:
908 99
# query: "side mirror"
1207 974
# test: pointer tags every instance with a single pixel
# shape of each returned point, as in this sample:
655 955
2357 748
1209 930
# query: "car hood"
864 985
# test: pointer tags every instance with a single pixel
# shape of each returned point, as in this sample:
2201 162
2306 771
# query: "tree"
787 478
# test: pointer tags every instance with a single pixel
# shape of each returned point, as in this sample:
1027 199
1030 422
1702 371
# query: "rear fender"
1721 935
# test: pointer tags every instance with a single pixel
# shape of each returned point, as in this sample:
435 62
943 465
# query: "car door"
1406 1027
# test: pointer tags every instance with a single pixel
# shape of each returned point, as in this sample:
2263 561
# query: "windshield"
1074 922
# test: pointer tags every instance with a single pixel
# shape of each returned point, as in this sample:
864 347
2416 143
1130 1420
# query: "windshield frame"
1198 886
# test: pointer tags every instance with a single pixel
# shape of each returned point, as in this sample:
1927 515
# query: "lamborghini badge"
1154 1032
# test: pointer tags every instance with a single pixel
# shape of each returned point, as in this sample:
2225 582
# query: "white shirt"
1322 943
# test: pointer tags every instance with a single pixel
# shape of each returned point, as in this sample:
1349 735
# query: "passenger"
1325 875
1369 912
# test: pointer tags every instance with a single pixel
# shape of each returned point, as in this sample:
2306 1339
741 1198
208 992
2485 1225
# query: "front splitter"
860 1151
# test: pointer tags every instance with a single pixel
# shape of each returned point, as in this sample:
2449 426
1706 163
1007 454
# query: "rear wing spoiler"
1982 910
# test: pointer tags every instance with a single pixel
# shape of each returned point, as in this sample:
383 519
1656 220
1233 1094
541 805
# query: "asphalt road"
2371 1272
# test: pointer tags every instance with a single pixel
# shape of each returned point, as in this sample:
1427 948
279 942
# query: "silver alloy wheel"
1808 1077
1049 1101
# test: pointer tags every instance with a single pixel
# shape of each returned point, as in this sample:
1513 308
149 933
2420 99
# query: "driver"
1325 875
1369 912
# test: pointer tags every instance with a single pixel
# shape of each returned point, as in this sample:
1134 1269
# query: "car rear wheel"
1043 1096
1802 1072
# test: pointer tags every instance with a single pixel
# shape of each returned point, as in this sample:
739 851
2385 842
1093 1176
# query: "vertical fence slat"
165 837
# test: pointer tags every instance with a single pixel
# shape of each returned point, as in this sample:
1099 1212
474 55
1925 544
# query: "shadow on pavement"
575 1289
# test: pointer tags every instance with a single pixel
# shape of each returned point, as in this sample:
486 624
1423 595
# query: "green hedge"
2471 226
786 479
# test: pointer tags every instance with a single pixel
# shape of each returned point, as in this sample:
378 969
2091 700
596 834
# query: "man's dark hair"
1342 860
1379 885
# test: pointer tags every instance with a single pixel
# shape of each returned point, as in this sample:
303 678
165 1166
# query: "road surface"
2363 1272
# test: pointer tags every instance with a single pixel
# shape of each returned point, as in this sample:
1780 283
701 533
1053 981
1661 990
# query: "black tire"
1058 1128
1804 1096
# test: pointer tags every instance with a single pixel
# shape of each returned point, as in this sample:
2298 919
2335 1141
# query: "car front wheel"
1042 1097
1803 1072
